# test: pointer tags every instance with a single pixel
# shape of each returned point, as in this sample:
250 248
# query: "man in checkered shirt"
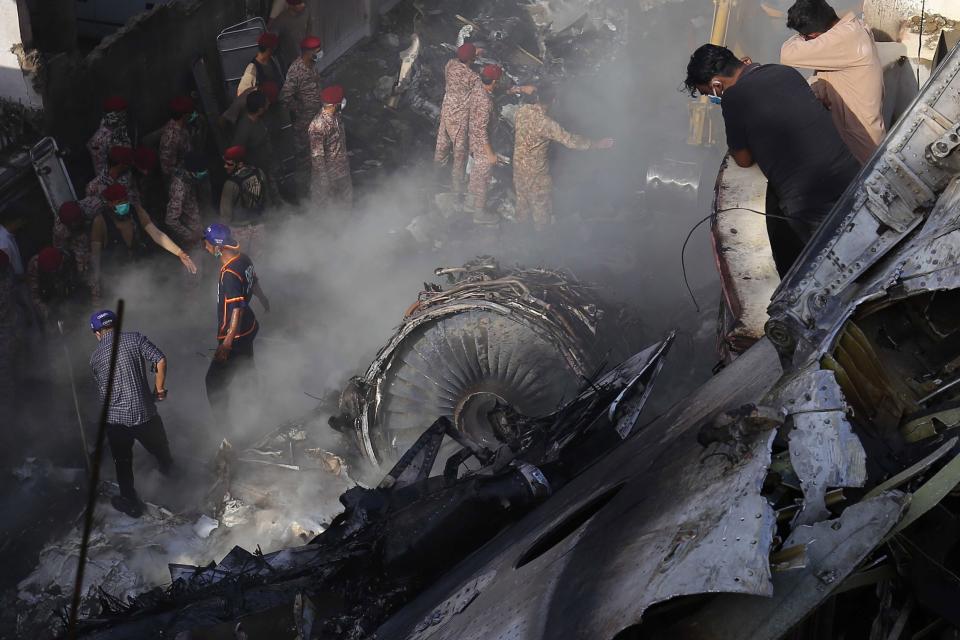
131 409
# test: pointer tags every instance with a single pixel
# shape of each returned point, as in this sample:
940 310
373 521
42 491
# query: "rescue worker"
290 25
71 234
175 138
301 96
117 237
243 200
12 323
183 200
534 130
131 408
119 162
461 79
237 325
252 133
147 180
263 67
54 286
113 132
12 221
480 108
330 164
848 76
255 135
773 119
238 106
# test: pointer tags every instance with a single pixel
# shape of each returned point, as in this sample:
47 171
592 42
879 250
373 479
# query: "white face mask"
343 104
318 56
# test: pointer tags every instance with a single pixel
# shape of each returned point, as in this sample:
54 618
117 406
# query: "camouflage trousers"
480 173
452 135
301 149
534 198
250 237
332 195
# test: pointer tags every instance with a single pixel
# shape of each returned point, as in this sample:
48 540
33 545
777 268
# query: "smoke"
340 282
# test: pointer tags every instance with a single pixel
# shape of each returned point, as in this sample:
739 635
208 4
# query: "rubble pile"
278 492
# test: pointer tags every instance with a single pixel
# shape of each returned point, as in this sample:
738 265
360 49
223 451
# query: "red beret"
49 259
269 40
238 152
492 72
181 104
4 259
70 213
466 52
115 103
145 158
114 193
120 155
270 89
332 94
310 42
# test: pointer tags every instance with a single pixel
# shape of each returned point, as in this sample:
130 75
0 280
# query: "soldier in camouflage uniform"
119 162
71 234
454 114
301 96
183 204
56 289
331 184
112 133
291 26
534 130
175 141
480 106
243 200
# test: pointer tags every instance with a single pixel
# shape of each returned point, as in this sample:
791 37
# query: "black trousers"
152 436
222 382
788 238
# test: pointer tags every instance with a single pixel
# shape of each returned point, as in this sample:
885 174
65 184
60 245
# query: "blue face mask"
193 117
200 175
714 98
122 209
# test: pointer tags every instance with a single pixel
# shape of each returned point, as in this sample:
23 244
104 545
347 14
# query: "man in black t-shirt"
773 119
237 325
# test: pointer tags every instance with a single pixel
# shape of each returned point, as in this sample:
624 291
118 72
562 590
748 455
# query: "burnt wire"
683 263
95 476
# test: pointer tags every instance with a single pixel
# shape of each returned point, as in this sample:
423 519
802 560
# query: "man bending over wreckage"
773 119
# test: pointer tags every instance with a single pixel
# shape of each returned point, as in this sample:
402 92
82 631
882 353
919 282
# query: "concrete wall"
148 62
15 87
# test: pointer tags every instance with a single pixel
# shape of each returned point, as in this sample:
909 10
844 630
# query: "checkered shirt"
131 402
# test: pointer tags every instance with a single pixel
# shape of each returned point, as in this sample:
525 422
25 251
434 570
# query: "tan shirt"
849 79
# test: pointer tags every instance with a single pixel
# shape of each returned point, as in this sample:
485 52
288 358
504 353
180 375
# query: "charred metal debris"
522 340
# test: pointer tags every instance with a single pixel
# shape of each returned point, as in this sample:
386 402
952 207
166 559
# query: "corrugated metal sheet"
341 25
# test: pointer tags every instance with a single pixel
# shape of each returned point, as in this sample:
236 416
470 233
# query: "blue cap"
219 235
103 319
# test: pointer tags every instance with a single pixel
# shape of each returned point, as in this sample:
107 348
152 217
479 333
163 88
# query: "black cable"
683 263
95 476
